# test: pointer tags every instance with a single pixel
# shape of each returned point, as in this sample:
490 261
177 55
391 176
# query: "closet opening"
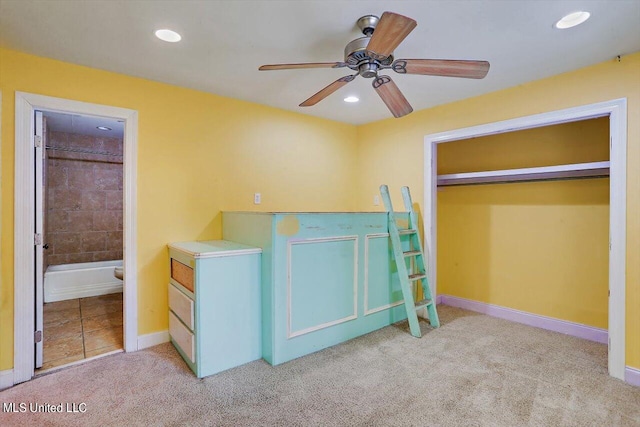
526 221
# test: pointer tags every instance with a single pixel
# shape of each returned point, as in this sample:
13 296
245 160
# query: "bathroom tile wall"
84 199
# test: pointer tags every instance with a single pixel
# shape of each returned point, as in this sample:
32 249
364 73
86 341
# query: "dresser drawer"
182 306
182 274
182 336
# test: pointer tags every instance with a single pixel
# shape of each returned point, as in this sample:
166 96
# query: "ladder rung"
412 253
407 231
417 276
422 304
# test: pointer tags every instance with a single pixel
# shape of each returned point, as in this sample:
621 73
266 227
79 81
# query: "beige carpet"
473 371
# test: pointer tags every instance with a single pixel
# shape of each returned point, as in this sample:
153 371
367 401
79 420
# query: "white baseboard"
6 379
570 328
155 338
632 376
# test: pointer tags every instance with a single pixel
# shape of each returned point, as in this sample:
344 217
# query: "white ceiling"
84 125
224 43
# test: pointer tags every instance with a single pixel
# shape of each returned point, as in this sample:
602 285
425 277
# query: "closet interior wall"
539 247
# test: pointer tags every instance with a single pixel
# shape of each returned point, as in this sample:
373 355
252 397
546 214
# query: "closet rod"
577 170
79 150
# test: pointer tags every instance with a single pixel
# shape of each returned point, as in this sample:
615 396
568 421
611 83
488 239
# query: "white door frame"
24 211
39 206
616 110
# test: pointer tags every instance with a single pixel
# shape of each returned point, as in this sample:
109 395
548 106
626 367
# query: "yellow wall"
538 247
200 154
391 151
197 154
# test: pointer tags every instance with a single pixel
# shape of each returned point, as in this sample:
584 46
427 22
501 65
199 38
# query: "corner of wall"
152 339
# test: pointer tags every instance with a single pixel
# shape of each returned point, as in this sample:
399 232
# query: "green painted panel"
322 288
383 285
321 268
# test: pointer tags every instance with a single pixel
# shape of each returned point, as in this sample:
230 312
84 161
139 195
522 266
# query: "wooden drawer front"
182 336
181 305
182 274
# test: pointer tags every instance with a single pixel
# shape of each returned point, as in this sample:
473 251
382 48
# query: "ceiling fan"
374 52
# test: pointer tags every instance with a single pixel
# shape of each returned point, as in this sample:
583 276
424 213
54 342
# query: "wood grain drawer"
182 336
182 306
182 274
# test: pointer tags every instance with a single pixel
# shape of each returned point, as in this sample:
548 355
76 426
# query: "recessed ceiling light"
351 99
103 128
168 36
572 19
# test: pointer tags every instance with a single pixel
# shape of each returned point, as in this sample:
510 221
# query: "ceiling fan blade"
328 90
391 95
303 65
442 67
389 33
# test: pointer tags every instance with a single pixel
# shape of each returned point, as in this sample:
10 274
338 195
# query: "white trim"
23 256
617 236
290 243
368 311
617 111
26 104
632 376
153 339
40 157
382 308
321 326
130 260
217 254
6 379
544 322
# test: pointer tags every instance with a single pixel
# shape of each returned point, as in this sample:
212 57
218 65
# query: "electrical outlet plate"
257 198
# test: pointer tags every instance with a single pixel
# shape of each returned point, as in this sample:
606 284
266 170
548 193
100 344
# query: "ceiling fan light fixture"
168 35
572 19
374 52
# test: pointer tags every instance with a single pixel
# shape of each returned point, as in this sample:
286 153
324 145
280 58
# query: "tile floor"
81 328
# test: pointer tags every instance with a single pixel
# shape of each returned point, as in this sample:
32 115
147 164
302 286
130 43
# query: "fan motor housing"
355 51
357 58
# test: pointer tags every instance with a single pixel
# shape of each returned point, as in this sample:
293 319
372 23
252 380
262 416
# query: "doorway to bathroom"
81 210
30 228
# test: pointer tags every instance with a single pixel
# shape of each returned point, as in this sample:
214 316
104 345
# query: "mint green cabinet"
214 304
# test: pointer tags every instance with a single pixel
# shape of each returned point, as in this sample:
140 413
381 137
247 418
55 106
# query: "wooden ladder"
416 270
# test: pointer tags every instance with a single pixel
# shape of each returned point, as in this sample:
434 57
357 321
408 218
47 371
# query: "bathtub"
87 279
